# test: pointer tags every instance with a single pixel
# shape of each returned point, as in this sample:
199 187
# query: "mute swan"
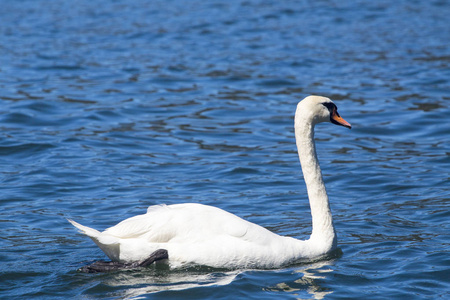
205 235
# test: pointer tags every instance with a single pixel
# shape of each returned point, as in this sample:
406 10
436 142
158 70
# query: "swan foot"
110 266
155 256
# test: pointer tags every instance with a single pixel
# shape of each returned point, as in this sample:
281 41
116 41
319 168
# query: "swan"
193 233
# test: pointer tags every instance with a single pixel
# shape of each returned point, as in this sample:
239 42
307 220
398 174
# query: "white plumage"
205 235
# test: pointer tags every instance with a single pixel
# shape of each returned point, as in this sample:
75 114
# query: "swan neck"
322 221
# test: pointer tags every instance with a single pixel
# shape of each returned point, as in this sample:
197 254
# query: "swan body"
205 235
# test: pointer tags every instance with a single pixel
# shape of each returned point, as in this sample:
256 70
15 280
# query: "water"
107 107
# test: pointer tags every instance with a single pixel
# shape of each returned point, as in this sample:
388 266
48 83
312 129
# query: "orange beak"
338 120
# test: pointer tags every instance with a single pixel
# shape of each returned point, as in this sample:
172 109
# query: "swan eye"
331 107
335 118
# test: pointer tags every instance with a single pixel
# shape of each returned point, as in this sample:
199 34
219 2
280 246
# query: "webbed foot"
109 266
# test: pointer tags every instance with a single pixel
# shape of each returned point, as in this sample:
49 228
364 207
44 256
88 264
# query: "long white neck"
323 233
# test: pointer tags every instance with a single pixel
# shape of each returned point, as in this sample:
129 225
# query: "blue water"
107 107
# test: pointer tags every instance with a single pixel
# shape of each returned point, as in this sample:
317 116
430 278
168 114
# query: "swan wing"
188 222
191 232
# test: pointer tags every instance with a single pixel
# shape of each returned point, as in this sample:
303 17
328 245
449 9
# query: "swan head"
318 109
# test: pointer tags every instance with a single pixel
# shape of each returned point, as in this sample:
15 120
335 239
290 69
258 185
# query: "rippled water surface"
107 107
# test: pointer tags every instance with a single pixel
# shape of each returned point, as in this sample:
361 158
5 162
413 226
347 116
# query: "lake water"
107 107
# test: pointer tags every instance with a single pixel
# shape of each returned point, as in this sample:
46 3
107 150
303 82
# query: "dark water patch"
59 68
24 150
73 100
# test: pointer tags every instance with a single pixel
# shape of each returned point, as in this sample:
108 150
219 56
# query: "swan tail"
90 232
107 243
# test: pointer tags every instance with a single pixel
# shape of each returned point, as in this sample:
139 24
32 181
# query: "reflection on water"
142 283
303 280
309 282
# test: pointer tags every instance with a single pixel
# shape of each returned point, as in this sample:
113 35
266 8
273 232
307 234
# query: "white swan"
206 235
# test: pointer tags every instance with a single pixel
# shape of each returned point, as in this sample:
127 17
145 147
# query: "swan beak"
338 120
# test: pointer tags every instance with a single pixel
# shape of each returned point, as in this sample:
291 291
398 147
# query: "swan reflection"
309 282
158 280
304 280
